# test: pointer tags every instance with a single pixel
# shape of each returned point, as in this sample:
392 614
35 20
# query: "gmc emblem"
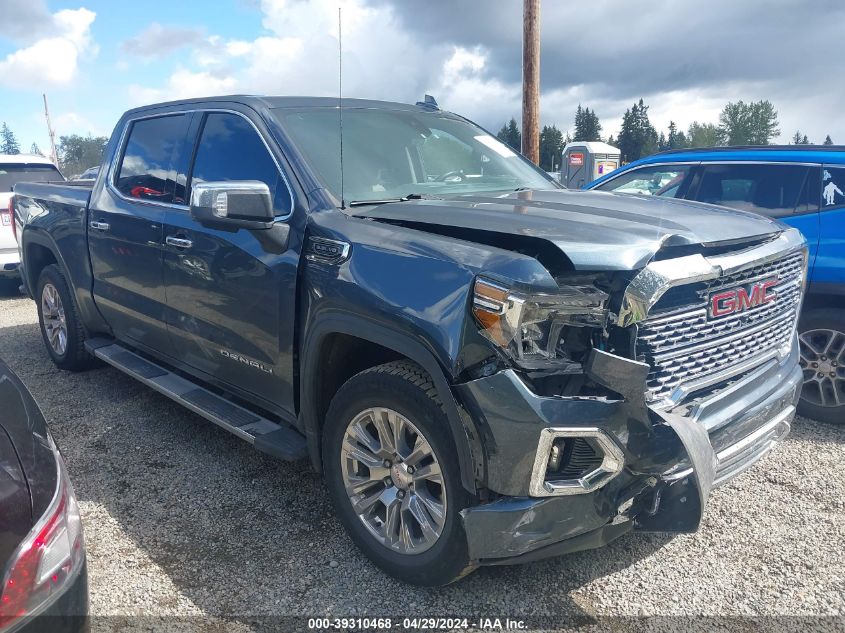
742 299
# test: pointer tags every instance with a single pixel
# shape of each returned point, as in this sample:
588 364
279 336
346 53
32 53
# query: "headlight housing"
539 331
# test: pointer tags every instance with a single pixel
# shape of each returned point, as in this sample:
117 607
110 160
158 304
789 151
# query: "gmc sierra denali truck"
486 368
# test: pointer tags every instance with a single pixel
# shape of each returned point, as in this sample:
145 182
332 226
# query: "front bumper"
672 459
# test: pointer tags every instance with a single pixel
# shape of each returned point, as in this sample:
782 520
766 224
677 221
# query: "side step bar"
278 440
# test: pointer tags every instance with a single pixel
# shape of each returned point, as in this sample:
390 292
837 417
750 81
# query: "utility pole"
53 155
531 80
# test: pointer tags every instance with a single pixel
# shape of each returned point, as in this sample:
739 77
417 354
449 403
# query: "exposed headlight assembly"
539 331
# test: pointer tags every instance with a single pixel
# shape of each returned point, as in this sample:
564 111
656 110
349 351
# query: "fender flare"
84 299
343 323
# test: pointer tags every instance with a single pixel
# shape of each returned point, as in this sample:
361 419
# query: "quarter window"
773 190
148 168
231 149
662 180
833 187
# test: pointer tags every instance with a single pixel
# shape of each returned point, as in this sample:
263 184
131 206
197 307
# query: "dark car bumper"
67 614
672 459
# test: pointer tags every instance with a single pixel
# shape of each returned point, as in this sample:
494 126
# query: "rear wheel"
61 327
391 469
822 341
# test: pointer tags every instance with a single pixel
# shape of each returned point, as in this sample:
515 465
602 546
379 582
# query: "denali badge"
246 361
742 298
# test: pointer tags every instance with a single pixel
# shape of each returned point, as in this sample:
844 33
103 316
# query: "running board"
282 442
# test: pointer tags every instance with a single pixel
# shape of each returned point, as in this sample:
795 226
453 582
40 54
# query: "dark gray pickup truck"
487 368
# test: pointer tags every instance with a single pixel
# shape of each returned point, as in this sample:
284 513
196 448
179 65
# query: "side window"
833 187
148 167
773 190
231 149
658 180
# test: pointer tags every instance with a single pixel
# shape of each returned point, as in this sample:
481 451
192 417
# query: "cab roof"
24 159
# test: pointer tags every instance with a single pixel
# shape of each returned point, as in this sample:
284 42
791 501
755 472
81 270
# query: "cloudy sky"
686 58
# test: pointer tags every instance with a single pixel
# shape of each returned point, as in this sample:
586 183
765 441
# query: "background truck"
15 168
486 368
802 186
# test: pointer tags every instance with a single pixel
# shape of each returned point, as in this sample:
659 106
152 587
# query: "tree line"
740 123
76 153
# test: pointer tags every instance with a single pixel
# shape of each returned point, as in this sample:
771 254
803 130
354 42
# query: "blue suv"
801 185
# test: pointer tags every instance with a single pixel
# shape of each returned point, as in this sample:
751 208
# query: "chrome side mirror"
245 203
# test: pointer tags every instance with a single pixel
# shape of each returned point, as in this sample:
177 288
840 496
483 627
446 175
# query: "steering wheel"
451 174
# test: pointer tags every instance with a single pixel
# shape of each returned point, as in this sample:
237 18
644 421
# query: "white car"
15 168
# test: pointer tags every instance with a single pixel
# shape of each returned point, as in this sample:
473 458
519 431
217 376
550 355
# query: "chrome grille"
686 346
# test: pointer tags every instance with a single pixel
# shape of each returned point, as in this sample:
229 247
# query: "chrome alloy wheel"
393 480
53 313
823 362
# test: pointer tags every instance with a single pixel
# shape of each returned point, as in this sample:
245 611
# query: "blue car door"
830 260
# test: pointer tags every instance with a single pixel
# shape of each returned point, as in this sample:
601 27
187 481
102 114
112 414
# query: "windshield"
389 154
12 174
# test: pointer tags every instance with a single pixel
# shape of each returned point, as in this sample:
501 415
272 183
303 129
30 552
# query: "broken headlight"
541 331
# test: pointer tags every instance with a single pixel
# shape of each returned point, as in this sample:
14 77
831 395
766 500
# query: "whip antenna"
340 101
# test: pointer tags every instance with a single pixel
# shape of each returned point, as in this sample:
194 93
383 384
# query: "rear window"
148 168
773 190
10 175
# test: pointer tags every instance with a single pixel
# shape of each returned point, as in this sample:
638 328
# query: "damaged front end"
589 432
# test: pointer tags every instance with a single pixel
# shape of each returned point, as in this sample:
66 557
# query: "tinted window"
148 169
833 187
231 149
12 174
773 190
658 180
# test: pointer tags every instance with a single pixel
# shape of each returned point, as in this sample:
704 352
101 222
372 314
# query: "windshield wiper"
363 203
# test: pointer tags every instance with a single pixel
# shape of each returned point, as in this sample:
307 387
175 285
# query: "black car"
42 550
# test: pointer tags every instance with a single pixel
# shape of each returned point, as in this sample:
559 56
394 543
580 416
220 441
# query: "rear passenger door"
126 227
785 192
231 293
830 261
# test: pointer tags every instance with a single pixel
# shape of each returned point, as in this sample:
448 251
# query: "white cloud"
51 60
66 123
159 40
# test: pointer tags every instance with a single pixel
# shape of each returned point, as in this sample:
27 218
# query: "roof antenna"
340 100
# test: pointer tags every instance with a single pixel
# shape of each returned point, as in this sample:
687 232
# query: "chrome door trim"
124 136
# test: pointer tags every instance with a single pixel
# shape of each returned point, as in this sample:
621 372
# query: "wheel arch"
382 344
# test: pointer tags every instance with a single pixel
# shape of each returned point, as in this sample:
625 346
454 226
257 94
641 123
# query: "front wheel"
391 470
822 340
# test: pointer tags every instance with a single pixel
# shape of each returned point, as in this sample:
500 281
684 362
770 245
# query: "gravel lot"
182 518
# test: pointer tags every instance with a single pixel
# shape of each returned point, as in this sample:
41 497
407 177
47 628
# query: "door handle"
99 226
178 242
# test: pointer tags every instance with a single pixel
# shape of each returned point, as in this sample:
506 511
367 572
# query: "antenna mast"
340 100
53 155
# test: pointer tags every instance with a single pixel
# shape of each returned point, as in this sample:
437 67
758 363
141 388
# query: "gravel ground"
182 518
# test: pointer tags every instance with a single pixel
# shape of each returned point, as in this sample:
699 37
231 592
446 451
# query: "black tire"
74 357
811 328
407 389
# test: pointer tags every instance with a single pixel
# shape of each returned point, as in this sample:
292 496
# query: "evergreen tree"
702 135
637 138
8 143
551 148
676 139
510 135
587 125
828 140
743 123
662 144
34 149
611 140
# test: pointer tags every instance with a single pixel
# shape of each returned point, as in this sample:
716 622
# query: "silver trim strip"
612 463
653 281
118 155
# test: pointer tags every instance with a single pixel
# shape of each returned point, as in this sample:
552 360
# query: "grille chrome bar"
688 350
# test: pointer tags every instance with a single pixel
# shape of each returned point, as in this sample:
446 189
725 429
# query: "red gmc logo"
742 299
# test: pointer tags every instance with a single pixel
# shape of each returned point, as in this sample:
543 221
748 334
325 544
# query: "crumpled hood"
596 230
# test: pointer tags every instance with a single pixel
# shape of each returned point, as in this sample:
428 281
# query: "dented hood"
595 230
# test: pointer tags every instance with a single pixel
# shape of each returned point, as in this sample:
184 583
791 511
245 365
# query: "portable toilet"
584 161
